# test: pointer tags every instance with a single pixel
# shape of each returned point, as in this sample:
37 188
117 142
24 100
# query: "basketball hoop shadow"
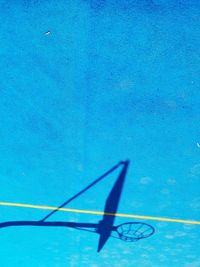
129 232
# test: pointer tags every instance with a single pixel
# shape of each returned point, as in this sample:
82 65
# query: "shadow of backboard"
128 232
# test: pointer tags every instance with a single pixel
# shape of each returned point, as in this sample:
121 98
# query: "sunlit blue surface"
85 84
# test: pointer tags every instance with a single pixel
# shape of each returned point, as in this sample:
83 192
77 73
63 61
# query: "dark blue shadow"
105 227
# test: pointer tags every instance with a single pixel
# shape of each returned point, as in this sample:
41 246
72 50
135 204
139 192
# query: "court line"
11 204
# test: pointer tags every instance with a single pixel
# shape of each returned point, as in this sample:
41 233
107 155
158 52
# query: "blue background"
114 80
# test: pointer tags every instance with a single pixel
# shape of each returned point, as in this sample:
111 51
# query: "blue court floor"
85 84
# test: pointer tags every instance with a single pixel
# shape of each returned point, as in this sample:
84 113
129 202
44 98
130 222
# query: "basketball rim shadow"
129 232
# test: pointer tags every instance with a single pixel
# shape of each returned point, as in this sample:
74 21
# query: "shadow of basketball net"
128 232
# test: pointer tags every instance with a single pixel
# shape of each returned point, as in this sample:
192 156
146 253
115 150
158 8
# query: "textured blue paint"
114 80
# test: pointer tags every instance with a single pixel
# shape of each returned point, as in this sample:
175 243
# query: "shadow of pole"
106 225
51 224
83 190
111 206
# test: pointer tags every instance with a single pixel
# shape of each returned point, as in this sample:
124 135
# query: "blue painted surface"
114 80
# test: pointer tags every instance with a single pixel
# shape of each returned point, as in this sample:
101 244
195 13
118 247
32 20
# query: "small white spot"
47 33
195 170
80 167
171 181
169 236
198 145
145 180
180 234
195 204
161 224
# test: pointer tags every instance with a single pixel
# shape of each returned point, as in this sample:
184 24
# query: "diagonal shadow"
83 190
105 226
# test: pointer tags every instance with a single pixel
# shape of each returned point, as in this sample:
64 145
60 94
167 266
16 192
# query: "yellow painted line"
30 206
